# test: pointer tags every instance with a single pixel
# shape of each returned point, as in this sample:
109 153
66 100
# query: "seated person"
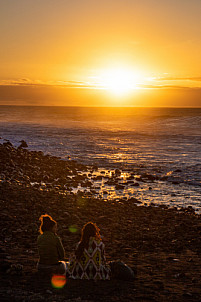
89 260
50 248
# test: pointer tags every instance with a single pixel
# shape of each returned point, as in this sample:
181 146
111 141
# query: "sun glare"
119 81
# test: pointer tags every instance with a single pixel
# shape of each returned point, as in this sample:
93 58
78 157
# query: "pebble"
142 237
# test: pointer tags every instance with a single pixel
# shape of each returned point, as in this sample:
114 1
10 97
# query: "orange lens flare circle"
58 281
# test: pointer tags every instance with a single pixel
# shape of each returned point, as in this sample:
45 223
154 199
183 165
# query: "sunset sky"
100 53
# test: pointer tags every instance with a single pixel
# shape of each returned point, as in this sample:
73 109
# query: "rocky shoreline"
161 244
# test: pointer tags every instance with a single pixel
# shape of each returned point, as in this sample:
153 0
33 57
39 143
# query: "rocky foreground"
162 245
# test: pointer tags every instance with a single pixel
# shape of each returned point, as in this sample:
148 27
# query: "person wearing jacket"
50 248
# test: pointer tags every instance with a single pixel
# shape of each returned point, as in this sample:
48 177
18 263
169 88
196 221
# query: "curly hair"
90 229
47 223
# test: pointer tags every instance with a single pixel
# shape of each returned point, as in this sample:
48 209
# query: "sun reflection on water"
118 186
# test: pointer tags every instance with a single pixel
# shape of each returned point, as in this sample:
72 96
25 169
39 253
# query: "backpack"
121 271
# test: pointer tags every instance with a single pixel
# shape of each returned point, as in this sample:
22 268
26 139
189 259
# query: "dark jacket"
50 248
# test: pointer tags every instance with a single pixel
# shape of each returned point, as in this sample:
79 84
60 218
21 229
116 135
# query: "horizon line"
167 107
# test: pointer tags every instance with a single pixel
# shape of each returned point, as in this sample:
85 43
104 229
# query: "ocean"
164 142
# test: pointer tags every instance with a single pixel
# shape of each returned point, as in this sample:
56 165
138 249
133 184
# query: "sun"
119 81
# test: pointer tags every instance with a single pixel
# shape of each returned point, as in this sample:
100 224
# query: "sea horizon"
165 107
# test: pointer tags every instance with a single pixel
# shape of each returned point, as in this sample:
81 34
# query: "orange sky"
60 52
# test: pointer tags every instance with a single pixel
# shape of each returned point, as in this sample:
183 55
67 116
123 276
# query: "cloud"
49 95
39 83
20 82
159 86
157 83
197 79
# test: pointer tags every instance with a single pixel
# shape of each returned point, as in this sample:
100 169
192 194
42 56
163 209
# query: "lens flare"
58 281
72 228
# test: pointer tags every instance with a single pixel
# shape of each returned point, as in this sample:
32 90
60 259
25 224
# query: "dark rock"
134 200
149 177
4 266
164 178
117 172
98 177
110 182
135 184
7 144
178 170
129 182
119 187
148 238
139 179
23 144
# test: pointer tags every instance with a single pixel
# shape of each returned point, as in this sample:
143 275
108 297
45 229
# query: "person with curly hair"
50 248
89 260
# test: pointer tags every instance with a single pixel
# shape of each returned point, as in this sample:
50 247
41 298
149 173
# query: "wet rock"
164 178
117 172
129 182
149 177
134 200
96 178
139 179
148 238
119 187
178 170
110 182
7 144
175 182
86 184
23 144
135 184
